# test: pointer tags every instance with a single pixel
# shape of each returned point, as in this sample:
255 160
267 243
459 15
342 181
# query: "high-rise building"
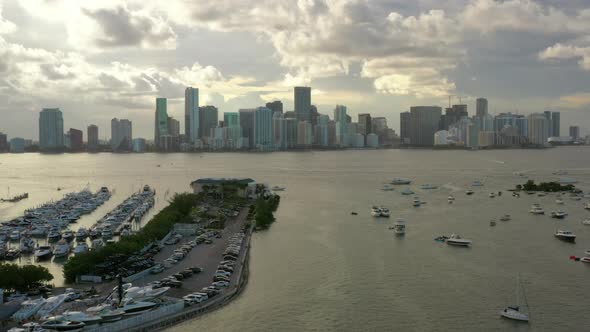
232 119
76 143
481 107
304 134
17 145
550 128
378 124
341 125
246 118
3 142
538 128
51 130
263 133
208 118
302 97
404 127
92 134
121 135
322 132
365 123
290 132
424 122
161 120
173 127
314 115
575 132
275 106
453 115
555 124
278 131
472 135
191 114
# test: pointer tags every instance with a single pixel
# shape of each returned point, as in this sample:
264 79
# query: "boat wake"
498 162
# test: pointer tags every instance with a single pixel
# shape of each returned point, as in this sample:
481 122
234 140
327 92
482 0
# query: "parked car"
208 241
186 273
178 276
221 284
196 269
157 269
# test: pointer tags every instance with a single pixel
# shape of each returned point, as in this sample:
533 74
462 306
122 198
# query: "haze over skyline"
96 61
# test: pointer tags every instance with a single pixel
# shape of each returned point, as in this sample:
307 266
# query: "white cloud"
559 51
6 26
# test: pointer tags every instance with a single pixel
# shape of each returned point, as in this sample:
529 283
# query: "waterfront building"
358 140
538 128
331 133
275 106
173 127
341 125
575 132
17 145
472 135
191 114
487 138
121 135
3 142
314 115
555 124
231 120
424 122
161 120
481 107
208 118
51 130
290 132
92 133
304 134
372 140
278 131
139 145
246 118
365 124
75 140
452 115
322 134
441 138
263 133
302 98
404 127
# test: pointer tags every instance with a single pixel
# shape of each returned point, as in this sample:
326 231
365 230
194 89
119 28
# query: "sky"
96 60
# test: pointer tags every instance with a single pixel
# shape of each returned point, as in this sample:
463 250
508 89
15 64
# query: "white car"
192 299
222 273
221 284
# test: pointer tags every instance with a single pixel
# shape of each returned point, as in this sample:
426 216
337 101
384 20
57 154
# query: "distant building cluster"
428 126
271 128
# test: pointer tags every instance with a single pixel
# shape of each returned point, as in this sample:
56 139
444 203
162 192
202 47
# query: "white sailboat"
517 312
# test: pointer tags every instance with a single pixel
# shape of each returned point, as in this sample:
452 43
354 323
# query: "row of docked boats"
380 211
117 221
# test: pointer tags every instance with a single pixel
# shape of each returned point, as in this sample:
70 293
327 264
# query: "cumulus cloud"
559 51
6 26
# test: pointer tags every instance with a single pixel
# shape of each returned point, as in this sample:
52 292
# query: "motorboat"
517 312
565 235
387 187
28 309
587 206
541 194
81 248
277 188
68 235
94 233
559 201
399 227
43 252
407 191
78 316
132 307
375 211
106 312
81 234
12 253
144 293
14 236
492 223
51 304
106 233
398 181
53 235
451 198
428 186
59 323
61 249
416 202
476 183
97 244
384 212
585 259
457 240
492 195
469 192
536 209
505 217
558 214
27 245
586 222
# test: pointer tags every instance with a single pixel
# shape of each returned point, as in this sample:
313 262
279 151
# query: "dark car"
178 276
220 278
186 273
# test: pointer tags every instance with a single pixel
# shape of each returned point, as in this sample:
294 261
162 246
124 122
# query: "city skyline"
425 53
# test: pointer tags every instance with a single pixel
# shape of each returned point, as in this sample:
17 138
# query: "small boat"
81 248
398 181
399 227
387 187
492 195
12 253
68 235
505 217
585 259
515 194
558 214
469 192
28 309
277 188
407 191
559 201
565 235
132 307
587 206
457 240
43 252
81 234
78 316
428 186
476 184
14 236
51 305
535 209
354 213
27 245
384 212
61 249
492 223
375 211
515 312
451 198
586 222
53 235
58 323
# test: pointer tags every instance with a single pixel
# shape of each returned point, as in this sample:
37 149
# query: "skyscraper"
575 132
231 120
341 125
555 124
92 134
121 135
263 132
302 97
550 127
246 118
51 130
76 143
481 107
191 114
404 127
173 127
3 142
424 122
538 128
275 106
161 121
365 123
208 117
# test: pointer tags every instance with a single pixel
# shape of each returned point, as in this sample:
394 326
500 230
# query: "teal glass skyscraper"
191 114
161 121
51 129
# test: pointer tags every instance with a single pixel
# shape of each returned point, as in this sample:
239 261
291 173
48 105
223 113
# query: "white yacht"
58 323
469 192
384 212
106 313
565 235
407 191
399 227
387 187
492 195
505 217
559 201
43 252
536 209
28 309
586 222
558 214
144 293
51 304
375 211
81 248
515 312
457 240
132 307
61 249
587 206
398 181
78 316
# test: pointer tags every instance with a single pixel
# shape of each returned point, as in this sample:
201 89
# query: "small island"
553 186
